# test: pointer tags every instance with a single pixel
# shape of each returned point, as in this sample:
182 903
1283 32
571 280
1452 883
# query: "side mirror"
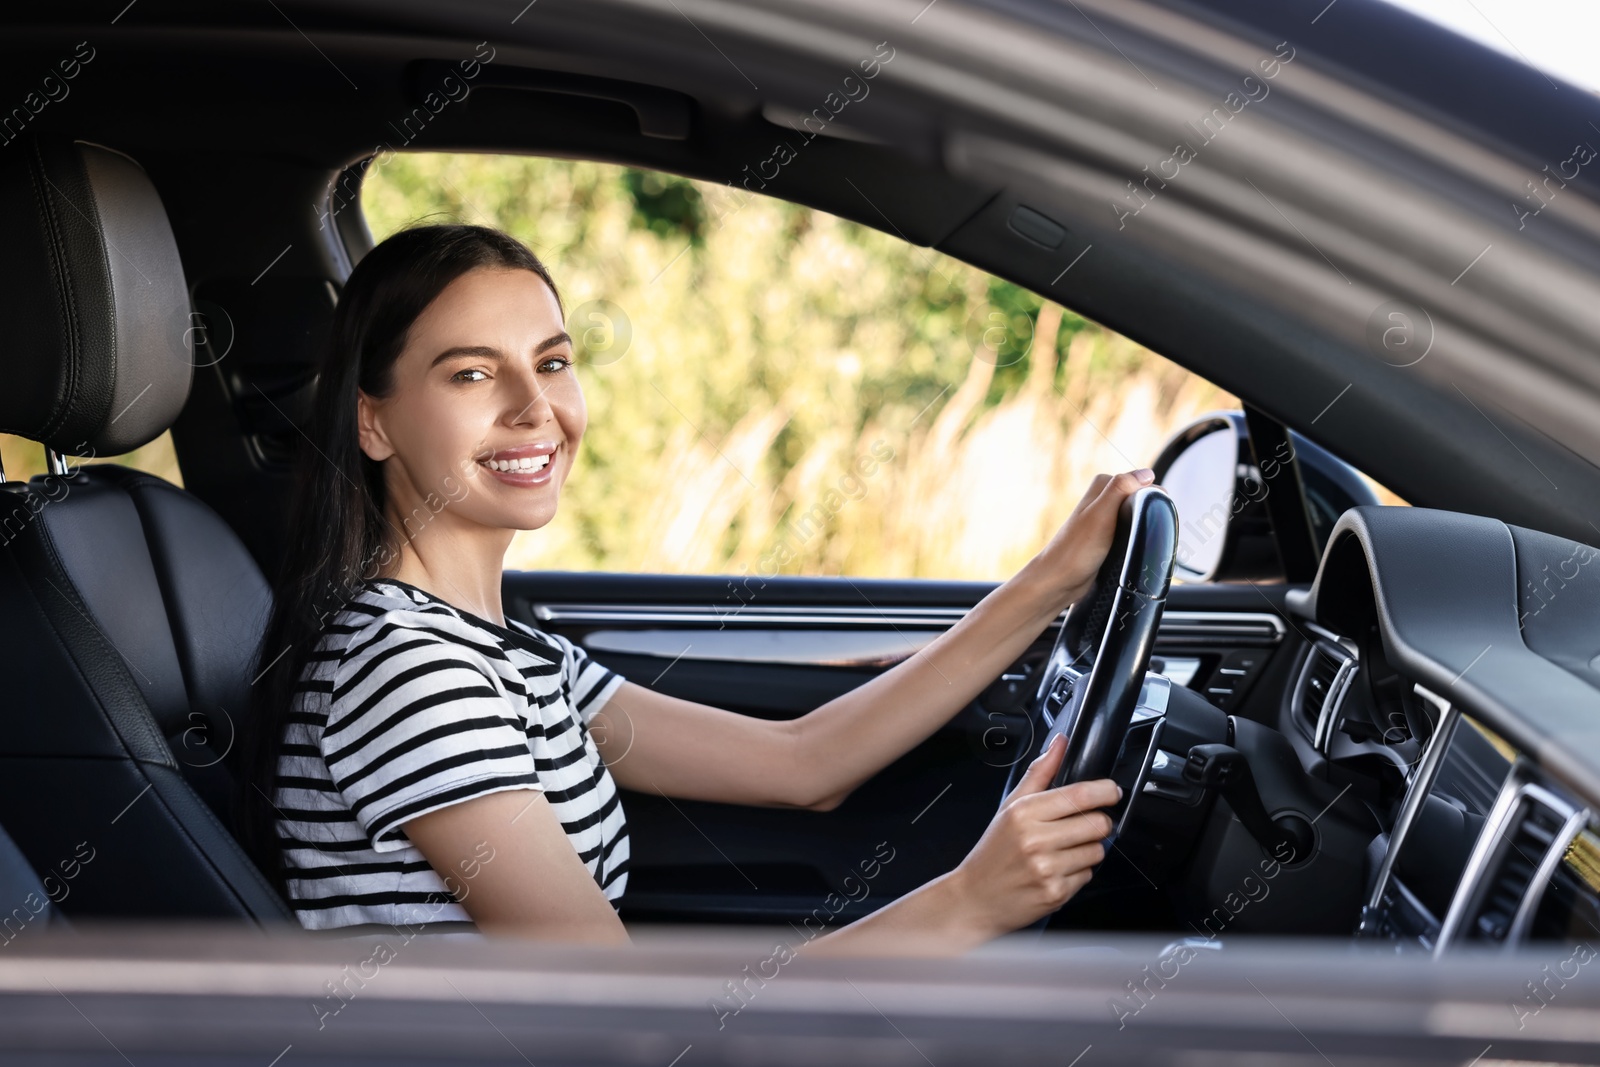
1224 532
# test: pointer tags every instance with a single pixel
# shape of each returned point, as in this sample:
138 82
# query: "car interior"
1387 713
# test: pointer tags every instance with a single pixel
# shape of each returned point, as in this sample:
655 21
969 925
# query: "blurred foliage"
665 205
791 391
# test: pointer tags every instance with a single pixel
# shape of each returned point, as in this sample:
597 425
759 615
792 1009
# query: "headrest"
98 352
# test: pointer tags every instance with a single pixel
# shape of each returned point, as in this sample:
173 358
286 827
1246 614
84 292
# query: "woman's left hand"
1069 562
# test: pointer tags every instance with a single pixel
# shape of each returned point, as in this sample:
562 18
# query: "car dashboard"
1448 680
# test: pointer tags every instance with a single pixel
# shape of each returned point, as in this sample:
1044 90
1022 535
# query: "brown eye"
555 364
457 376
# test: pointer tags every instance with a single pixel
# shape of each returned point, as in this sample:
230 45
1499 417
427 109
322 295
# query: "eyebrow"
490 352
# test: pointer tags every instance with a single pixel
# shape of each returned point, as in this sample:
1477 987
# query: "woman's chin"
529 518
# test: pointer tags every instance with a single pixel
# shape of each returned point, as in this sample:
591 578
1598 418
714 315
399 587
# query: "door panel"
778 648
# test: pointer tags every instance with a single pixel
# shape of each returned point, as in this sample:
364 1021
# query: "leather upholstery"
127 683
129 612
99 354
28 902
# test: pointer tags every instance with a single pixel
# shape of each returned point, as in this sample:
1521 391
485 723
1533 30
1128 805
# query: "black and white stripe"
410 705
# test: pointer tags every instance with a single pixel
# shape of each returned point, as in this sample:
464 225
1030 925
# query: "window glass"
773 389
23 458
1385 494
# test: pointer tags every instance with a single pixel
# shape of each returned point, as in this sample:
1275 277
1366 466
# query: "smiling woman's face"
485 413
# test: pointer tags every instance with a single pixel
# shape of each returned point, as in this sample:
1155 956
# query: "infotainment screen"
1434 854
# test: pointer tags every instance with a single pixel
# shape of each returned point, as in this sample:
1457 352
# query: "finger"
1099 506
1039 773
1090 828
1096 486
1071 869
1074 882
1126 484
1077 798
1081 858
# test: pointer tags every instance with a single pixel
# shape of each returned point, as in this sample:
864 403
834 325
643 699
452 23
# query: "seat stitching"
55 247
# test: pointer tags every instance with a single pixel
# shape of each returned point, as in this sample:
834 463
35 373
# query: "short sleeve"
588 685
419 722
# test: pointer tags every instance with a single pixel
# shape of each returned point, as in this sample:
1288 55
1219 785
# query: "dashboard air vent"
1323 679
1529 835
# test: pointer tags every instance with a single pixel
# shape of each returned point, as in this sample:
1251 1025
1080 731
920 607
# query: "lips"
523 465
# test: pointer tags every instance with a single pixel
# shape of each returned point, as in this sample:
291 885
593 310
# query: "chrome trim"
744 615
1202 626
1328 635
1206 626
1442 706
1151 753
1416 793
1327 715
1516 789
1477 861
1155 696
1543 873
812 648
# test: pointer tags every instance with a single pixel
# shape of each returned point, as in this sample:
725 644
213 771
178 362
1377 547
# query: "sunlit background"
773 389
1555 36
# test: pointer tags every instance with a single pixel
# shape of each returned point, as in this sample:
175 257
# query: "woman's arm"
508 861
506 858
1038 851
679 748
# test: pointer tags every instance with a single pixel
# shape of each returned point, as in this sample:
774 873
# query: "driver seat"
129 612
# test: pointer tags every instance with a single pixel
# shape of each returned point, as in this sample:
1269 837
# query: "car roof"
1481 92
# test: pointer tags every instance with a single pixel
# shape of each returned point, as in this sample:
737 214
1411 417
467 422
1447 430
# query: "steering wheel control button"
1235 673
1059 695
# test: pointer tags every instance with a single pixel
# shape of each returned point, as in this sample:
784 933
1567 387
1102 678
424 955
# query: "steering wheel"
1091 682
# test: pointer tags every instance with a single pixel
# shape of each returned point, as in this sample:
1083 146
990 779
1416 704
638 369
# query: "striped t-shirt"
409 705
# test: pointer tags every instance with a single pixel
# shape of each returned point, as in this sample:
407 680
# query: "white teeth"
524 463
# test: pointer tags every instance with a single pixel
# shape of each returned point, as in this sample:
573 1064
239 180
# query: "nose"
527 403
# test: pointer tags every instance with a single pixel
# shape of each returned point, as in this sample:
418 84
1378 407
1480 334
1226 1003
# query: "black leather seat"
129 612
33 900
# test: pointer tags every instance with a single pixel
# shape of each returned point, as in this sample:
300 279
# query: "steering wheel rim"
1091 681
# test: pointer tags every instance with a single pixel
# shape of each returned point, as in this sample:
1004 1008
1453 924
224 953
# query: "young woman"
415 757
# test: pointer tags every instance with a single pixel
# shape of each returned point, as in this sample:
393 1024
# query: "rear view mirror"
1220 489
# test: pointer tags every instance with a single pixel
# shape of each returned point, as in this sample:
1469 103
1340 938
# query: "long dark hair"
338 536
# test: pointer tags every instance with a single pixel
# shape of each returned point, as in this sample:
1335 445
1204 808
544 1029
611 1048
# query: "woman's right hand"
1039 849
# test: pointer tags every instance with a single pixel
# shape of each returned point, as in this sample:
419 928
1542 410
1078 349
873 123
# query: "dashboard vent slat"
1532 831
1324 669
1324 677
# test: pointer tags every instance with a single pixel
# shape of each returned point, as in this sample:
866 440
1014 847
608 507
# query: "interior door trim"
744 615
833 636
